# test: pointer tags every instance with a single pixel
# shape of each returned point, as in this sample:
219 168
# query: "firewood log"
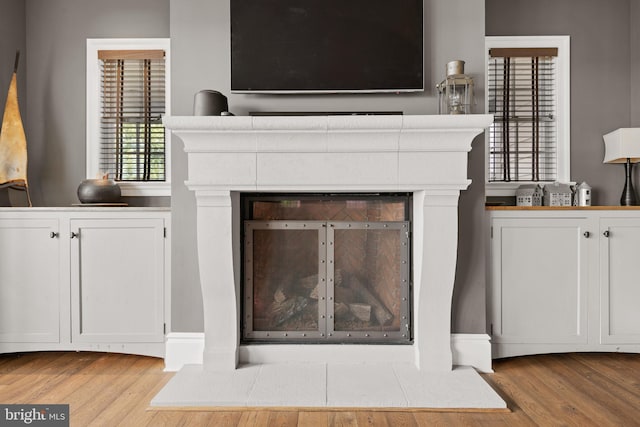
283 311
340 310
279 296
361 311
382 315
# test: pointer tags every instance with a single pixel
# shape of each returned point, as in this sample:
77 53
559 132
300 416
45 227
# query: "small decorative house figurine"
557 194
582 195
529 195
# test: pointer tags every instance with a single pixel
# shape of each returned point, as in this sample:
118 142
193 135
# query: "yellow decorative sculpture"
13 142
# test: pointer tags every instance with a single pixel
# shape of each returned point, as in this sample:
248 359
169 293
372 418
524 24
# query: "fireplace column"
435 251
219 290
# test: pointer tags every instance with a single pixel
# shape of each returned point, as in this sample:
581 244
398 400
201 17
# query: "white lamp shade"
622 144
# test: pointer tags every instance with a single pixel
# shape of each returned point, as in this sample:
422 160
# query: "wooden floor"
114 389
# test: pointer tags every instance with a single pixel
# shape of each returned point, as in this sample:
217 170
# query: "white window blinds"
523 141
132 137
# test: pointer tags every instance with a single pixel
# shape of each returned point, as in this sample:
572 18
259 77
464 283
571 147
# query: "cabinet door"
117 279
539 280
29 281
619 281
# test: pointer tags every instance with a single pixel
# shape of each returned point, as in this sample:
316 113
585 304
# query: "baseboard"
185 348
472 350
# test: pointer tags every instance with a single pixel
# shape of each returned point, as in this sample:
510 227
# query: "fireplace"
422 156
326 268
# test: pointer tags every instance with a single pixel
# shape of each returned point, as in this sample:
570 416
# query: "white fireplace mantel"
425 155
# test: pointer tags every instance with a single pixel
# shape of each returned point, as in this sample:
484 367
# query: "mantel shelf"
337 153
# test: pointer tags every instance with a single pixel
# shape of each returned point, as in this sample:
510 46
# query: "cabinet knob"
606 233
587 234
75 235
54 234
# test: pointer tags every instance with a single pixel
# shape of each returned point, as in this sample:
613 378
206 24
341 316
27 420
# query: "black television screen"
326 46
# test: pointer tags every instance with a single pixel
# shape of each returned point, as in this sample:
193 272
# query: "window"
528 93
127 95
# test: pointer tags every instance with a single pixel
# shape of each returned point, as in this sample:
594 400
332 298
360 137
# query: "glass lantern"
455 92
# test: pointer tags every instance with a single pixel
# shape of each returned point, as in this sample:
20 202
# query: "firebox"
326 268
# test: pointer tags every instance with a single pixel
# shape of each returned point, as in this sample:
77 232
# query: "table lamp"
623 146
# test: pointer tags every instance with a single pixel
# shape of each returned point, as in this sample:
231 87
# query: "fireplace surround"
422 155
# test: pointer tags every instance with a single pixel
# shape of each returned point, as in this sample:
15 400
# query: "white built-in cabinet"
29 280
563 280
620 280
84 279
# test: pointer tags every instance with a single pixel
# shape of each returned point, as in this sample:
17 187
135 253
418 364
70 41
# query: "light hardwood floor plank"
131 401
403 419
313 419
253 419
88 402
616 370
283 419
562 396
343 419
105 389
373 419
610 400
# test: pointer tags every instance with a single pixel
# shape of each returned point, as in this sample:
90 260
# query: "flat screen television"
309 46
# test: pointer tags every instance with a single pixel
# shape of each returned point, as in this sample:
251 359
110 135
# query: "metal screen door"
319 281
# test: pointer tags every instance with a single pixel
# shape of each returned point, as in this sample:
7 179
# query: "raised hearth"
424 155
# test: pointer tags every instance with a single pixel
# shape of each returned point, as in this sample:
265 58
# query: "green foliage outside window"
140 152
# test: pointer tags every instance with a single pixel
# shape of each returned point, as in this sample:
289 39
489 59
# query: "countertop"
561 208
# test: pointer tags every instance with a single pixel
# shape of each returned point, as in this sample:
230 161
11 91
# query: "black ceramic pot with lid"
99 191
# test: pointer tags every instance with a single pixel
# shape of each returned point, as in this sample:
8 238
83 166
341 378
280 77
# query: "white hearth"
425 155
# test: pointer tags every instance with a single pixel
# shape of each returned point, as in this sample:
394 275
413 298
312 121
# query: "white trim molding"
472 350
183 348
186 348
563 107
93 111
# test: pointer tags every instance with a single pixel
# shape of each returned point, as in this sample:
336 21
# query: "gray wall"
56 56
12 37
634 82
200 60
602 61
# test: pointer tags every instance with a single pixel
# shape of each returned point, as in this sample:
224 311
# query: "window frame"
129 188
563 109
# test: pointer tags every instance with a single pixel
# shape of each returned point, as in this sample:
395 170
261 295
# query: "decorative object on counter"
210 103
582 195
99 191
529 195
623 146
557 194
13 142
455 92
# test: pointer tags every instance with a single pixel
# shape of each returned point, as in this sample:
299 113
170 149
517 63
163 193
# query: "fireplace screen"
327 281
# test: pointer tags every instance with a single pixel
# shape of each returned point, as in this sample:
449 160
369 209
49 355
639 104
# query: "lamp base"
628 194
